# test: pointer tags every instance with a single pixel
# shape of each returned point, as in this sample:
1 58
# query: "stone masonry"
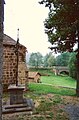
9 63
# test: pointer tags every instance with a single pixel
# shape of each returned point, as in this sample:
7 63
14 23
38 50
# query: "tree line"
49 60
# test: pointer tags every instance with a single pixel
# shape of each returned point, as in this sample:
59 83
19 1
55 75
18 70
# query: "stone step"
15 106
28 105
13 110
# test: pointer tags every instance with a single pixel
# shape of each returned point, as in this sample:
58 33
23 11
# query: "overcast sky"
28 16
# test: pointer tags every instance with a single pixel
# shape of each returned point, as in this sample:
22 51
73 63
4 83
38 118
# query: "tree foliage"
62 23
62 27
49 60
72 65
63 59
36 59
46 57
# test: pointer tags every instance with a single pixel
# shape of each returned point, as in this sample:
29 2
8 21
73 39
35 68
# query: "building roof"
7 40
33 74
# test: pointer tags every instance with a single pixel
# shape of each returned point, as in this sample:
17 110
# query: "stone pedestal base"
17 102
16 94
27 107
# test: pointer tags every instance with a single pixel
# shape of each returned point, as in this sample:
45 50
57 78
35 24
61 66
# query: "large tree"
72 63
63 59
35 59
49 60
62 27
1 51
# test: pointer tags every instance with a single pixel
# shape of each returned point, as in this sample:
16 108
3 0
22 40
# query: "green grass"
64 81
63 85
39 88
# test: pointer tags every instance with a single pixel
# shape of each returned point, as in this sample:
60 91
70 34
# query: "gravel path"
73 111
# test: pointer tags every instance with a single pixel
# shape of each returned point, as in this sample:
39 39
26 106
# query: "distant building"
9 63
34 77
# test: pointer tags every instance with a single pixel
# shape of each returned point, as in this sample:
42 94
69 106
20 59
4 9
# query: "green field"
38 88
51 83
64 81
48 77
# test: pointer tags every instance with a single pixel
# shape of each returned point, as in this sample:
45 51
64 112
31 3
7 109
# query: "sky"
28 16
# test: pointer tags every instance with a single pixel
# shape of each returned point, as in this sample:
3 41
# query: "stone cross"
17 56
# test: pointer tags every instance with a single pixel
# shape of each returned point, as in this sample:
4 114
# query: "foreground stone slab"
26 106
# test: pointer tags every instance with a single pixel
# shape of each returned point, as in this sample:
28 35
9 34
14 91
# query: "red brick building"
9 62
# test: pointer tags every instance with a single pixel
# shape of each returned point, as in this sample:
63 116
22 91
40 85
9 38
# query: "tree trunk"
1 51
77 86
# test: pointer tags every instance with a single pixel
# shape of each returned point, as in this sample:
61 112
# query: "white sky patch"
28 16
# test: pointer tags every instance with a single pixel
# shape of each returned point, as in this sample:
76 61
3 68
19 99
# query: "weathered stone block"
16 94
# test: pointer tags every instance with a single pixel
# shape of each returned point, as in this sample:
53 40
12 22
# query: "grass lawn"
63 85
54 80
64 81
38 88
